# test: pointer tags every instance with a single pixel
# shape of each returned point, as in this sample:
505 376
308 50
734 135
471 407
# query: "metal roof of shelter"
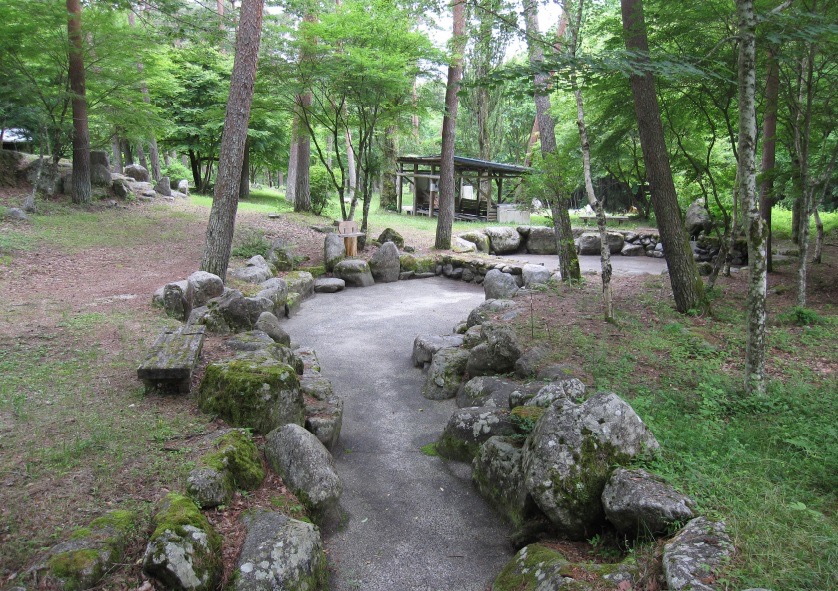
468 164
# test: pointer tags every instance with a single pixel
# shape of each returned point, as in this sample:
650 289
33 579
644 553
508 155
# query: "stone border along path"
412 522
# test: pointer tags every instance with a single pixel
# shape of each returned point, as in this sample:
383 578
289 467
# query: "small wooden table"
349 232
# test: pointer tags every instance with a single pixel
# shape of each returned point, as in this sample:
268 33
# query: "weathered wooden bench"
349 232
169 363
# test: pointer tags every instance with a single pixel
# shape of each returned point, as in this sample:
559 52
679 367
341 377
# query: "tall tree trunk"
244 182
802 138
687 286
128 151
222 220
141 155
195 167
769 147
389 198
302 191
604 249
445 221
116 166
754 223
559 203
81 192
167 161
291 181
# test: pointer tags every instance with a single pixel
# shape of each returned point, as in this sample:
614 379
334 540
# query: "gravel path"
413 522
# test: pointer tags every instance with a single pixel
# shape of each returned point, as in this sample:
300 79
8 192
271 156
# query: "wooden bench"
349 232
172 358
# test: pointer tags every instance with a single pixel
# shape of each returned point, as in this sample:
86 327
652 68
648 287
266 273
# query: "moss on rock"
417 264
236 453
528 568
261 395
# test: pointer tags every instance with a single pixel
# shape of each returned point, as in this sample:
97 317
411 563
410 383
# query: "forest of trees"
726 102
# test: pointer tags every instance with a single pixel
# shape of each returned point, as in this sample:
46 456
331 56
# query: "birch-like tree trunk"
687 286
389 197
604 250
559 203
291 179
116 165
445 221
802 135
351 169
81 191
769 147
755 379
219 238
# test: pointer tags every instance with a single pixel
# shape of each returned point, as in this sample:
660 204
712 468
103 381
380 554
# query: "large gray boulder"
499 478
307 468
487 391
589 243
528 363
232 312
269 324
334 250
541 240
249 340
329 285
183 187
697 219
488 309
276 290
693 558
256 270
445 374
184 552
426 346
100 157
569 389
479 239
174 299
280 553
100 176
355 272
137 172
15 213
301 282
259 393
535 275
461 245
503 239
638 503
324 419
571 453
497 354
498 285
201 287
281 256
633 250
390 235
384 264
164 186
469 427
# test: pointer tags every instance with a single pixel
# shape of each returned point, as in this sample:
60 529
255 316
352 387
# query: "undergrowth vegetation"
766 465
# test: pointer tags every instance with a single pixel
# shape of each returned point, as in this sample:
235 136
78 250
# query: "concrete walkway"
620 265
413 522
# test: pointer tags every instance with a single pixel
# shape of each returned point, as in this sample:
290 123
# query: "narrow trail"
413 522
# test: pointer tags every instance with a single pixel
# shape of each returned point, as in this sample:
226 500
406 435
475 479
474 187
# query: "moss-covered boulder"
468 428
256 394
301 282
354 272
233 464
445 374
539 568
479 239
417 264
499 478
269 355
280 553
570 455
390 235
83 560
324 419
530 568
184 551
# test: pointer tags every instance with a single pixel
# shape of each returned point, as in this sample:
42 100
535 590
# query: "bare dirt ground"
49 292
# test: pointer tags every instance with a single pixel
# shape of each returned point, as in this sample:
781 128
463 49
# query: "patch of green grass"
430 450
249 242
781 223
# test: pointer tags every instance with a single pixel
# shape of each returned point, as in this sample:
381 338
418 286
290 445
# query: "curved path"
413 522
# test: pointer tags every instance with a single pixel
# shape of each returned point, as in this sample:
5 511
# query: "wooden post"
415 188
400 181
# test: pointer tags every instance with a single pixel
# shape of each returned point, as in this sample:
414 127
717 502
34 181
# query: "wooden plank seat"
349 232
172 358
618 218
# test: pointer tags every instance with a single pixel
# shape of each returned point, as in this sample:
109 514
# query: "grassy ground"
77 434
